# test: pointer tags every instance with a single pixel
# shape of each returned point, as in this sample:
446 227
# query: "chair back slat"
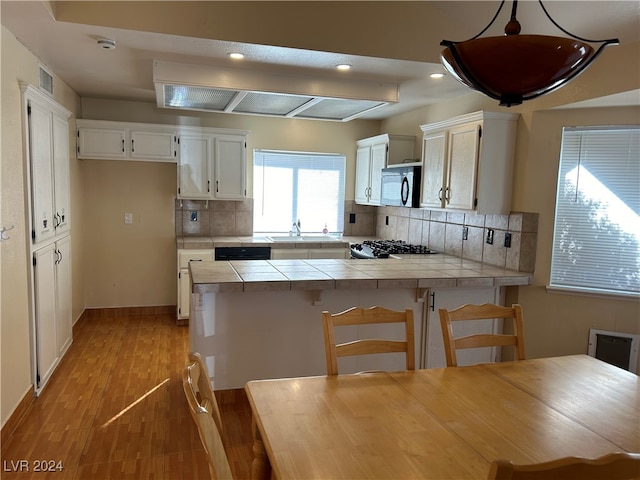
485 311
367 316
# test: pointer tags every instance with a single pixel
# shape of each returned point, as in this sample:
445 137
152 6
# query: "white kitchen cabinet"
450 298
194 166
184 285
105 140
52 305
230 160
372 155
212 164
468 163
46 137
48 153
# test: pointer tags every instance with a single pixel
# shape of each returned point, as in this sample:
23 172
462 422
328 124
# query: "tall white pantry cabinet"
46 147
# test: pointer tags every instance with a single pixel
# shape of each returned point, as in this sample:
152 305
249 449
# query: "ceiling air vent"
46 81
224 90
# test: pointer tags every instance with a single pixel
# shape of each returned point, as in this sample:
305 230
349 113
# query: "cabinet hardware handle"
447 194
433 301
208 185
440 194
123 145
216 186
132 149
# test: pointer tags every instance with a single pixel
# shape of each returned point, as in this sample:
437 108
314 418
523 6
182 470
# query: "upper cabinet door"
378 162
149 145
433 173
363 175
61 173
230 161
463 166
194 166
102 143
41 157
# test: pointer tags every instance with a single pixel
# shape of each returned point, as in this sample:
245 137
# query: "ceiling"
387 43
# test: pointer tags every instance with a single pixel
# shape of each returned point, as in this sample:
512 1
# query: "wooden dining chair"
204 392
364 316
614 466
210 435
481 312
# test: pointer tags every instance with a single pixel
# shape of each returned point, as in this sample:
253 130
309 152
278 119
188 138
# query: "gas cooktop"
384 248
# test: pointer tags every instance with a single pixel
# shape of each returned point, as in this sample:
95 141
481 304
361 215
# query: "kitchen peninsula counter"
408 271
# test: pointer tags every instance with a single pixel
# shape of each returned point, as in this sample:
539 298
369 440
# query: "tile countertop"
424 271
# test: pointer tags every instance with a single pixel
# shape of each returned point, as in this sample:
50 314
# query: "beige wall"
18 64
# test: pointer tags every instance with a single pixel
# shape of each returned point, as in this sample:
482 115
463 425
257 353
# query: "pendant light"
513 68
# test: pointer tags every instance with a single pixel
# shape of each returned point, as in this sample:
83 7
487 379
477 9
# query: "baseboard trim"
16 417
106 312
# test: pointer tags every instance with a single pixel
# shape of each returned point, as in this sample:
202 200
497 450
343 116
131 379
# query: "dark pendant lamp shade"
513 68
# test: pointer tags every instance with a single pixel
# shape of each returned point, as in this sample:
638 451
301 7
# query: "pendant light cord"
612 40
513 18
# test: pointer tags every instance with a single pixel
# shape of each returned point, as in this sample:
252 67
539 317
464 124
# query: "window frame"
294 207
574 289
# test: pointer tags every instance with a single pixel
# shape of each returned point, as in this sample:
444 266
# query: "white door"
184 293
194 166
61 173
378 162
44 275
41 152
452 298
363 163
102 143
230 160
63 294
433 173
463 166
157 146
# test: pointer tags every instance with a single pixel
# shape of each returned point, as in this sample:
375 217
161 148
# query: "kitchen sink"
303 238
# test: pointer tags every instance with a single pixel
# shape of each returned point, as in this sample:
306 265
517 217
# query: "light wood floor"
115 409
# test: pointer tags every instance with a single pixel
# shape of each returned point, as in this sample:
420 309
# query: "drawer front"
186 256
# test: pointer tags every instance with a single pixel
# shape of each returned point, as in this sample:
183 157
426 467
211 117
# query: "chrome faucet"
296 228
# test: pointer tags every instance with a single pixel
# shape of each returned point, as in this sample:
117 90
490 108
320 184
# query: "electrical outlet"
507 240
352 218
465 233
490 236
386 220
193 215
128 218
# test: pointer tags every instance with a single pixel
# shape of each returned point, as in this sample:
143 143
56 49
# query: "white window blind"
596 243
292 186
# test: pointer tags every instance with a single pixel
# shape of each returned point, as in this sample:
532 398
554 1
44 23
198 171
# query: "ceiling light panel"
338 109
198 98
249 92
270 103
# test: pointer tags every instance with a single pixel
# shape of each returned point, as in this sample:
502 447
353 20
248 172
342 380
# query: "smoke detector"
106 43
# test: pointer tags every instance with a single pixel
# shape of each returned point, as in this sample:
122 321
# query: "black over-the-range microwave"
401 186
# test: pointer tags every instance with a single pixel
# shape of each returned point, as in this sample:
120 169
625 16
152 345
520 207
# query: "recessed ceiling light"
437 75
343 66
236 55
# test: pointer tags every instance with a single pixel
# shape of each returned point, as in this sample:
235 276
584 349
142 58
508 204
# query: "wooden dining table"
444 423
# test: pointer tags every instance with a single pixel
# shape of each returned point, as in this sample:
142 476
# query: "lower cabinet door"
63 295
452 298
45 312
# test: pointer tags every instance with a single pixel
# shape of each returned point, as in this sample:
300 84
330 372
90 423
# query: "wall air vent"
225 90
46 81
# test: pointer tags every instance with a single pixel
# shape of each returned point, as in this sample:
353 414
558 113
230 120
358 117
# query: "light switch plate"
128 218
